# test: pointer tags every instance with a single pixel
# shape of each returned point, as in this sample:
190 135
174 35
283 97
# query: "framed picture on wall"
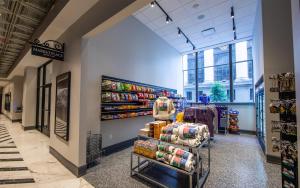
62 105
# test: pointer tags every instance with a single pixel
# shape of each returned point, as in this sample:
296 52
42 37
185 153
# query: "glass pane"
48 73
41 76
40 109
189 76
213 74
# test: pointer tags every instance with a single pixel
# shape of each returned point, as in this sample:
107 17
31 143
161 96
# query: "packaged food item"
140 95
106 97
113 86
115 97
144 132
127 87
106 84
122 97
119 86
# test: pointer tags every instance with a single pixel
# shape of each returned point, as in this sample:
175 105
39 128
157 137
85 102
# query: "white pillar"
29 97
209 61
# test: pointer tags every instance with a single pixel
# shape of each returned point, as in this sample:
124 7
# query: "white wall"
258 56
130 51
247 116
29 97
277 52
296 34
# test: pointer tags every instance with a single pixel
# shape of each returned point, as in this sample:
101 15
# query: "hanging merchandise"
285 107
163 109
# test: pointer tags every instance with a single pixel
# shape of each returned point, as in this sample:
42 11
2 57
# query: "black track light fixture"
168 20
152 4
232 13
179 32
187 41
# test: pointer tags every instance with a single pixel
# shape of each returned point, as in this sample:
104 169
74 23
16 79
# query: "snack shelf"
198 172
131 92
125 118
125 111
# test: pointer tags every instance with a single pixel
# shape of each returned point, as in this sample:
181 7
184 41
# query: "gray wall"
296 35
274 51
130 51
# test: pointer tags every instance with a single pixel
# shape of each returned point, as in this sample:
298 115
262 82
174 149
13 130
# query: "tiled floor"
33 148
236 162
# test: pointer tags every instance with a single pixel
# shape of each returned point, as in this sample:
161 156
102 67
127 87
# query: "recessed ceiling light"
196 5
200 17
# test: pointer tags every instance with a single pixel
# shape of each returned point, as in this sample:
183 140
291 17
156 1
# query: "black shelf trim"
125 111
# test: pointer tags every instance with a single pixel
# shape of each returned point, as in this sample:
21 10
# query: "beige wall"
75 149
15 87
296 35
29 97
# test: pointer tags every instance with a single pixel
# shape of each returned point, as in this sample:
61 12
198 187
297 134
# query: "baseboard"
16 120
273 159
248 132
77 171
28 128
118 147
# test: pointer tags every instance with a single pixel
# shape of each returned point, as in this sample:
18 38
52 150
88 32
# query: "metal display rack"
197 176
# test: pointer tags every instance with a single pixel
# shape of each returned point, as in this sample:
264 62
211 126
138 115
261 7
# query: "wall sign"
49 49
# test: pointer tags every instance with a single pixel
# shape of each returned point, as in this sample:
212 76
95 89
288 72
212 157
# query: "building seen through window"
213 73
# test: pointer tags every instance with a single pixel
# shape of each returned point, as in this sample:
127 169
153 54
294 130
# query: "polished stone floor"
30 150
236 162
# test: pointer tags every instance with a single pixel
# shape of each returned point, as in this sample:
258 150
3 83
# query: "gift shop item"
163 109
233 122
155 128
203 115
285 107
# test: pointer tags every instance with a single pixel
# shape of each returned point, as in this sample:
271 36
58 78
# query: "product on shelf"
187 134
145 148
233 122
181 163
155 128
144 132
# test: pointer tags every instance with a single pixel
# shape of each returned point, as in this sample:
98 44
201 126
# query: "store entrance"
44 99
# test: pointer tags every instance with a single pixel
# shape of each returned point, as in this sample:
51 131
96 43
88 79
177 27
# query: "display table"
196 177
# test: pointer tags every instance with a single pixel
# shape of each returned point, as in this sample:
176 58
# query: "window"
242 71
212 69
189 95
189 76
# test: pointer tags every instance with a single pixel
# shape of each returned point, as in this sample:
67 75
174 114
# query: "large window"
219 71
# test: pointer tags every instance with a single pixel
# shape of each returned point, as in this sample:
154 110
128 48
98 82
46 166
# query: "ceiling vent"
208 32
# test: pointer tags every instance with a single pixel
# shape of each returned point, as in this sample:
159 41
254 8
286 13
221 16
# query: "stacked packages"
155 128
187 134
145 148
165 153
175 157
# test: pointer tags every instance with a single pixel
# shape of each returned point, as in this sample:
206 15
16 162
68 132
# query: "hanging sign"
49 49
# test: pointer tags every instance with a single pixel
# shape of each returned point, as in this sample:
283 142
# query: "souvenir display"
233 122
163 109
285 107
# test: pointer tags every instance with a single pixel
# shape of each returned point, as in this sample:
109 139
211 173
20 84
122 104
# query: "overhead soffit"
18 21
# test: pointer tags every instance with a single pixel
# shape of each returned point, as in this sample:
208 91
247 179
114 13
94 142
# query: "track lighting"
152 4
187 41
167 20
179 32
232 12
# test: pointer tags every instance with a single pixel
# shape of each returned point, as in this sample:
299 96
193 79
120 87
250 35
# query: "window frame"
231 80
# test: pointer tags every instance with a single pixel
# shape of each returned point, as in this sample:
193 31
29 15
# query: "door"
44 99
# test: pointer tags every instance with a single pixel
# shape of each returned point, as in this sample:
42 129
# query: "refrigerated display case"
260 117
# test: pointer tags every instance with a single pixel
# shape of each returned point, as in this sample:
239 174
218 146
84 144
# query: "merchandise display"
183 158
127 99
285 107
233 122
202 114
163 109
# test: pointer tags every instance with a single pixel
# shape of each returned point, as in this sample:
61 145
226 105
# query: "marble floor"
236 162
32 151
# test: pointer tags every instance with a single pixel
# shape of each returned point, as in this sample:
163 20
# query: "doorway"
44 98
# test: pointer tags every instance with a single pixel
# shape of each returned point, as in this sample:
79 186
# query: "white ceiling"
185 16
